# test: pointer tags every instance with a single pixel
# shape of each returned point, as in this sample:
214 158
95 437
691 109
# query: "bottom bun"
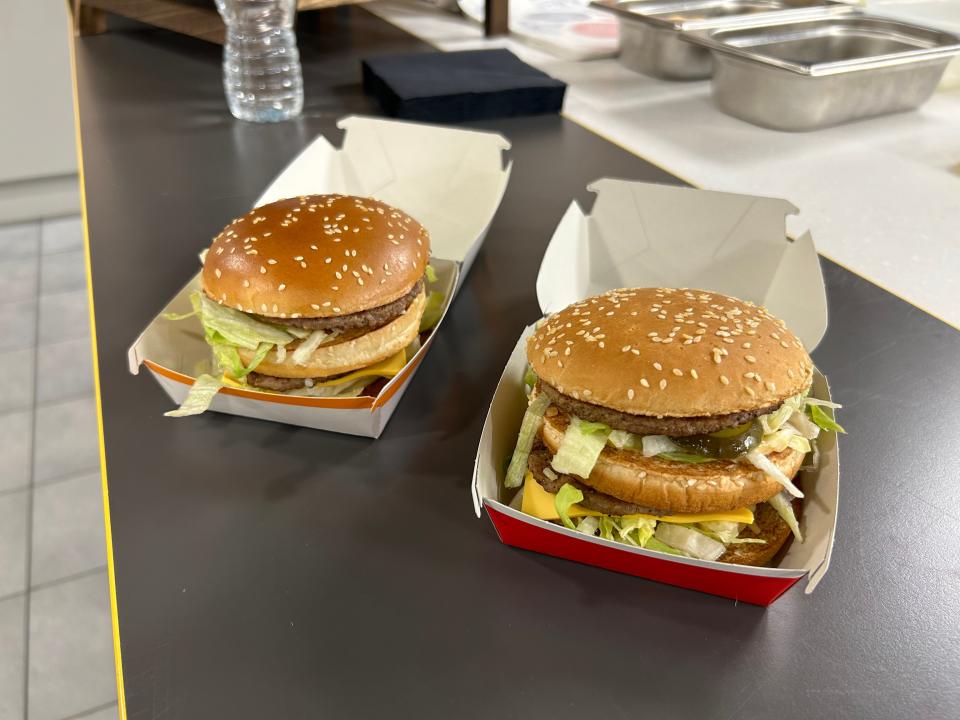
354 353
771 528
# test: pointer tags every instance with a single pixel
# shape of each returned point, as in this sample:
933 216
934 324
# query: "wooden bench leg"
496 17
88 20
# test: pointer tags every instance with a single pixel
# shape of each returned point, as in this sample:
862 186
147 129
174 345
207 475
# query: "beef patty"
364 320
648 424
607 504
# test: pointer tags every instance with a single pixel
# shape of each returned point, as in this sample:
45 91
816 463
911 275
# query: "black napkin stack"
450 87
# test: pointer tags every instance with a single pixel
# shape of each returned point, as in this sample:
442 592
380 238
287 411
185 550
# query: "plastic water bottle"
261 66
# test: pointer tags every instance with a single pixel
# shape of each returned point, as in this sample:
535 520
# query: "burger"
317 295
674 420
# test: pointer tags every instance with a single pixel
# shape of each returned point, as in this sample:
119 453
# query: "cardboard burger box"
450 180
643 235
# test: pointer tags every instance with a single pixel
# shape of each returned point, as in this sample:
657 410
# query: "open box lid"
647 235
450 180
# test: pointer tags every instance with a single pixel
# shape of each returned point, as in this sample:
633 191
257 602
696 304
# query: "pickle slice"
726 443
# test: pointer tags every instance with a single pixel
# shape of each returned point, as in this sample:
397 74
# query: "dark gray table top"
269 571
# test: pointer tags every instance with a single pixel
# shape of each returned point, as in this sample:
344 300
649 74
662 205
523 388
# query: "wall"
38 161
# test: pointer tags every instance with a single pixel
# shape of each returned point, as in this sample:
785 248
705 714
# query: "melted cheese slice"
540 503
385 368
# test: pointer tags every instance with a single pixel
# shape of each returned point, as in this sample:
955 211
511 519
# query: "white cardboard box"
641 235
450 180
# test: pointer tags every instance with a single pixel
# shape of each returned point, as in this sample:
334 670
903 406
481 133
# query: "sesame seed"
678 372
327 303
263 307
336 309
630 394
658 366
750 359
724 380
694 375
281 287
771 386
644 382
271 261
314 306
263 270
217 272
246 283
663 384
275 307
314 247
625 348
750 391
303 265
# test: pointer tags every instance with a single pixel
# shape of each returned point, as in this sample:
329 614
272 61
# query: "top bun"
670 353
316 256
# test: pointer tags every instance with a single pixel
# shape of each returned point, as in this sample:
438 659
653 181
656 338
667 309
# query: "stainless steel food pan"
812 73
652 31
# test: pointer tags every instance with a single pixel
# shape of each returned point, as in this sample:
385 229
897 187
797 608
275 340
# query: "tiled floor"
56 648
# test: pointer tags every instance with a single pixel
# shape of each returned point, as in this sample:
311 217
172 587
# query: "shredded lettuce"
199 397
530 378
689 541
594 427
298 332
567 496
432 310
773 421
660 546
823 418
180 316
762 462
804 425
528 433
784 507
258 357
581 446
237 328
727 532
431 274
636 530
588 525
301 356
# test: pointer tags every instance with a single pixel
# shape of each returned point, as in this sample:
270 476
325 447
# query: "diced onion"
656 444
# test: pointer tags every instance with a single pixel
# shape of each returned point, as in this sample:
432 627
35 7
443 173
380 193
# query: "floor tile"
11 657
18 325
13 542
64 370
63 317
16 430
107 713
16 379
59 234
18 278
66 440
68 535
19 240
63 272
71 649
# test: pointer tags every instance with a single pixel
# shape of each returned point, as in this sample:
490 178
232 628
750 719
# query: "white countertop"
881 196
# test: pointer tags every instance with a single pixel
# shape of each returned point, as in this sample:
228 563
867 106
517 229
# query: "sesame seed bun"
667 352
316 256
676 486
351 352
